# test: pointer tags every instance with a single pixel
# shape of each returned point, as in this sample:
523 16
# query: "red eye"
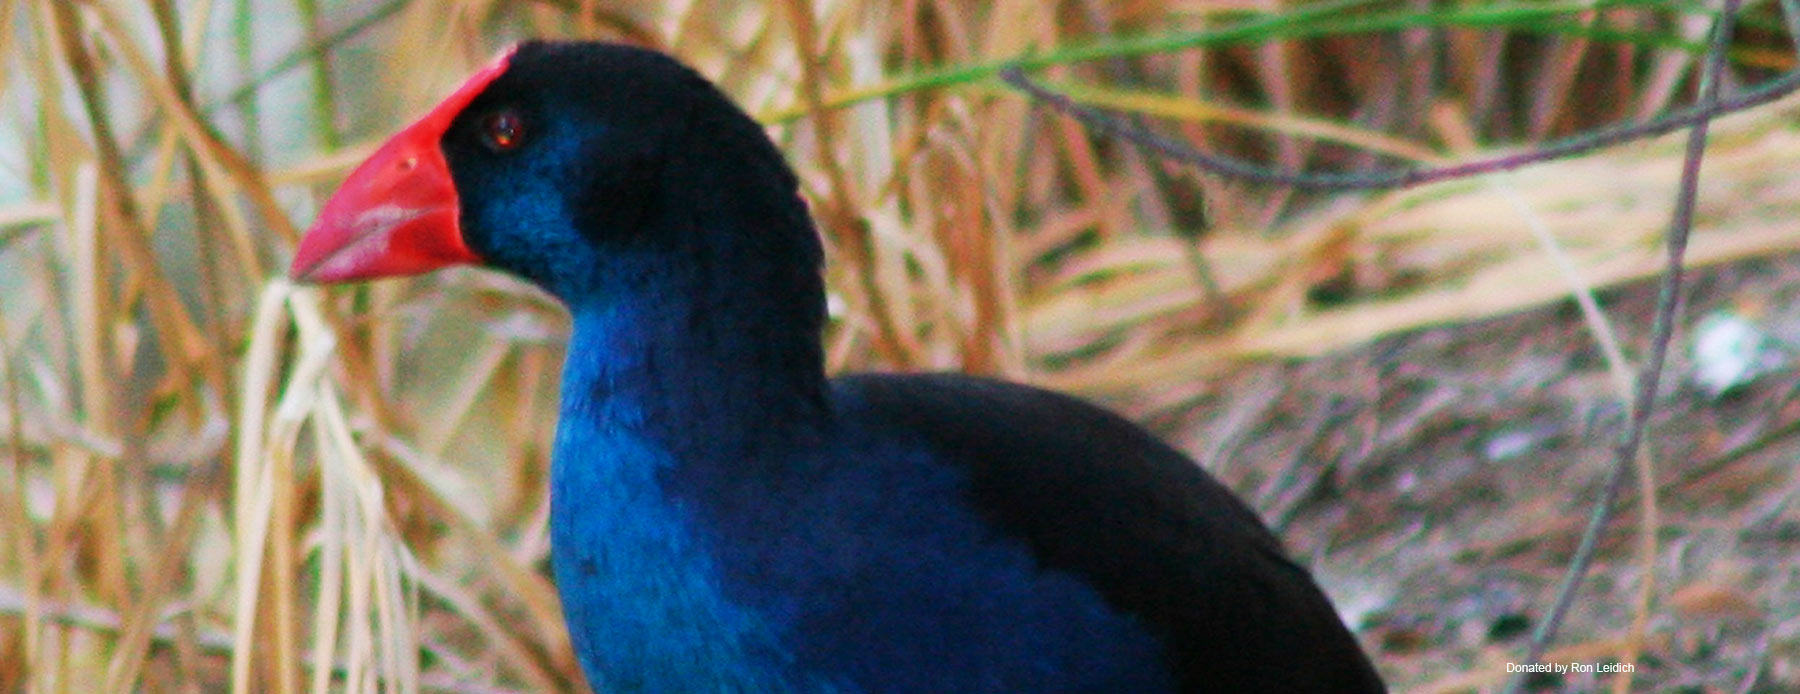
503 131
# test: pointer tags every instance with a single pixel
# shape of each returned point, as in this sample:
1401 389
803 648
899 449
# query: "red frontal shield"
397 213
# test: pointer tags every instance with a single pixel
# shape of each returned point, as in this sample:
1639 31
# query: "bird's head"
586 168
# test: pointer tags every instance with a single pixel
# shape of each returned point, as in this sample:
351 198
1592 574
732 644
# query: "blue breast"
642 594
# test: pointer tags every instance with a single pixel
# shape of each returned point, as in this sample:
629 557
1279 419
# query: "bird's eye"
503 131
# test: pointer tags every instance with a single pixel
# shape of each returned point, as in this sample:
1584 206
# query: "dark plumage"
726 518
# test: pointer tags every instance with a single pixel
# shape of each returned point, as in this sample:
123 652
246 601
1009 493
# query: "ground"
1439 481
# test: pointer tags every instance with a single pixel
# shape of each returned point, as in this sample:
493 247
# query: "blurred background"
211 480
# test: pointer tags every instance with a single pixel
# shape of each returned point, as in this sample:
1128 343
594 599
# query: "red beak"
397 213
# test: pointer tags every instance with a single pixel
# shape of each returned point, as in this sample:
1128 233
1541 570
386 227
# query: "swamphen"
728 519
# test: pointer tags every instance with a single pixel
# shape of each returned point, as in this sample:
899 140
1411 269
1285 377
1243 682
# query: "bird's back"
1100 503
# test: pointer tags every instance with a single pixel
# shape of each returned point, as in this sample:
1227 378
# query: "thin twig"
1661 333
1382 179
1761 649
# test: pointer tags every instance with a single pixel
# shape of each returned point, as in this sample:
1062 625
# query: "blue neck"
639 585
696 349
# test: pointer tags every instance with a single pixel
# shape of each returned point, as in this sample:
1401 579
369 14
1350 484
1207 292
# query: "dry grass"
215 481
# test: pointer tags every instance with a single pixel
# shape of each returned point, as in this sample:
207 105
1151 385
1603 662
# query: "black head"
594 170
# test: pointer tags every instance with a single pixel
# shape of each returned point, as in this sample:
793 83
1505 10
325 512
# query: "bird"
725 516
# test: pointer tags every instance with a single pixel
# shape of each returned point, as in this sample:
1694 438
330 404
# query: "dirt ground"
1438 482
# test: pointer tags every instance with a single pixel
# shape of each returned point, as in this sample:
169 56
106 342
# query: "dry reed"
216 481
